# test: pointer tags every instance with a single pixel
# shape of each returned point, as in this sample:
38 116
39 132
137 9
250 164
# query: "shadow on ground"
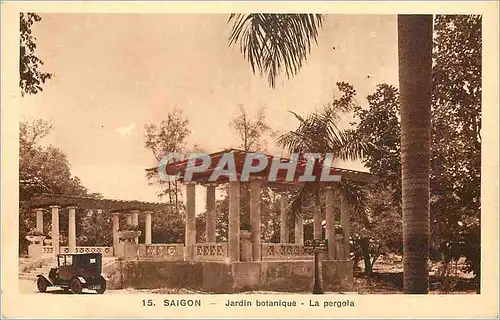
392 282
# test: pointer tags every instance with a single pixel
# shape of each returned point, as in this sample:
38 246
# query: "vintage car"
74 272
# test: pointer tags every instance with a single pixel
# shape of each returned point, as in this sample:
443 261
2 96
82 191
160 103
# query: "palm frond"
275 42
301 197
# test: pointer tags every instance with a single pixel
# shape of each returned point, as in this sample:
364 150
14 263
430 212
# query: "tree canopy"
31 77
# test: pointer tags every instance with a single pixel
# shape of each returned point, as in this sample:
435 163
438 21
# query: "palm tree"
319 133
276 42
415 79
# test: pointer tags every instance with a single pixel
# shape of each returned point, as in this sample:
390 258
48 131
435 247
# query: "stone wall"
218 277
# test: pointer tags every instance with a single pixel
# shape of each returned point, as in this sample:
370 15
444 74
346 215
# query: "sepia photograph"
275 159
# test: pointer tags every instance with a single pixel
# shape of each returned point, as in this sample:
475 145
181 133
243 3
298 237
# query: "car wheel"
41 283
76 286
102 287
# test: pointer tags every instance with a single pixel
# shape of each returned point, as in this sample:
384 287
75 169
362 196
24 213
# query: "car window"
69 260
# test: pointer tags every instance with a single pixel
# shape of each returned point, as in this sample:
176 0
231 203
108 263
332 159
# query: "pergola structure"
129 209
256 181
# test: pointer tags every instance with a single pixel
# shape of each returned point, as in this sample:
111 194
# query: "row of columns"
132 219
333 199
55 226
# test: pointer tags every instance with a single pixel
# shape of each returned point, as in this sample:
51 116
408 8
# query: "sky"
116 73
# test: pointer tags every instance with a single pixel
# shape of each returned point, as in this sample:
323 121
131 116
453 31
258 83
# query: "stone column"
190 237
116 227
147 237
234 221
129 218
330 222
135 217
345 222
255 214
299 229
284 230
55 228
318 228
211 214
72 229
39 219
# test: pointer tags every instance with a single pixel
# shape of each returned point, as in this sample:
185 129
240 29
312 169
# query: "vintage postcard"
250 160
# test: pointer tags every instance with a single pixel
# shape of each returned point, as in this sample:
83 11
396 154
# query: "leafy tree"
168 137
456 138
377 229
380 129
31 78
455 141
252 131
168 226
41 170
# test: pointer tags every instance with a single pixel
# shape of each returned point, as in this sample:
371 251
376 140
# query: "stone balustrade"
211 251
106 251
162 251
284 251
48 250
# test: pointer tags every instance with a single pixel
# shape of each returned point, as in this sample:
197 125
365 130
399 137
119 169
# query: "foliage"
31 78
251 130
168 137
41 169
168 225
275 42
456 138
94 227
320 132
377 230
456 142
380 130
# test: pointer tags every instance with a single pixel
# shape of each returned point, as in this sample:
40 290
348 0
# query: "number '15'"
147 303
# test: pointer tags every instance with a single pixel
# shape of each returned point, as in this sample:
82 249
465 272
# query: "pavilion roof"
86 202
180 167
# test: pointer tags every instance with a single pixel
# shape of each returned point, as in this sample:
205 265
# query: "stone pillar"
72 229
234 221
55 228
246 246
211 214
345 222
330 222
318 228
299 229
129 219
116 227
255 208
39 219
147 237
284 230
135 217
190 237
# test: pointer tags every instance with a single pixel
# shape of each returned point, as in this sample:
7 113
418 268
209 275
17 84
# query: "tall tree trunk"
415 80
